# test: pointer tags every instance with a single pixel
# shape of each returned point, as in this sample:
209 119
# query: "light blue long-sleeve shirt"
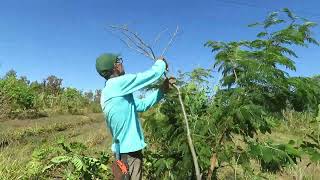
120 107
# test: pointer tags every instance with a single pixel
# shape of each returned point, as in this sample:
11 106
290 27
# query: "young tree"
53 85
89 95
97 96
11 73
253 90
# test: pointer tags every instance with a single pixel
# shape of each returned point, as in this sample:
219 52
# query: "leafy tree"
305 94
72 101
97 96
11 73
89 95
254 89
316 79
5 108
20 94
255 65
25 80
38 87
53 85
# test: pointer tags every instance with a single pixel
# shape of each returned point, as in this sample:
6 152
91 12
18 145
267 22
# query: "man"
121 108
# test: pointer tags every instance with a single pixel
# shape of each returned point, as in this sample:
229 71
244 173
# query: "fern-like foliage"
67 161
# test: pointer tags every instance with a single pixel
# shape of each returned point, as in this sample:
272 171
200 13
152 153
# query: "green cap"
106 62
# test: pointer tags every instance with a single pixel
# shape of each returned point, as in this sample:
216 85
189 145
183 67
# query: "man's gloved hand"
168 84
163 59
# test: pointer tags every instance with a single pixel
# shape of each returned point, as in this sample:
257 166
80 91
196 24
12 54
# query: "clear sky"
63 37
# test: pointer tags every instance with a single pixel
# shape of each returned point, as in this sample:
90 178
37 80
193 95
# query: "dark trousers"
134 161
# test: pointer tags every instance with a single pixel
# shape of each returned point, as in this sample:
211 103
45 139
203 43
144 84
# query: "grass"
294 126
24 136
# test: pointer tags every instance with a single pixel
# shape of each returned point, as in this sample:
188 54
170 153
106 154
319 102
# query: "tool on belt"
120 166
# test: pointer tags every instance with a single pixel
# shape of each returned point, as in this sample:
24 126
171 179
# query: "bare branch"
128 42
171 41
135 40
139 46
144 44
158 36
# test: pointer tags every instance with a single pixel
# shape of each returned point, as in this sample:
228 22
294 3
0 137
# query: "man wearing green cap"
121 108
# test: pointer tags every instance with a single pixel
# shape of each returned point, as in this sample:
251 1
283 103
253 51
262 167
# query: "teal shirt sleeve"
130 83
145 103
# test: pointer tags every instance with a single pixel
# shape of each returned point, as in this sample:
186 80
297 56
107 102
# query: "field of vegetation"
257 123
21 140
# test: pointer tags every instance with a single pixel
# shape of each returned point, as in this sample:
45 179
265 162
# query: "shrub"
18 94
72 101
5 107
67 161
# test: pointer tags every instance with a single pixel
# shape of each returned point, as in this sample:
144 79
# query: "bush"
72 101
21 99
5 107
19 95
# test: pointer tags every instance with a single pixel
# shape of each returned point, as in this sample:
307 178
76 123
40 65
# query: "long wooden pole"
191 146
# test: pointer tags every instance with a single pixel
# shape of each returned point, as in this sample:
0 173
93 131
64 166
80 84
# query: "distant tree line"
21 98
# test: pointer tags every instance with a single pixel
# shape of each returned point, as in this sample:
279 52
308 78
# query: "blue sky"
63 37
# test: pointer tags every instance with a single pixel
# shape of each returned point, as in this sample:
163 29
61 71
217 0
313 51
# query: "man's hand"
163 59
168 84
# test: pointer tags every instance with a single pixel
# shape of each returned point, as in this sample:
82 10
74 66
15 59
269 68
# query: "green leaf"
60 159
267 154
310 24
47 168
254 24
104 167
289 13
262 34
315 157
292 151
77 162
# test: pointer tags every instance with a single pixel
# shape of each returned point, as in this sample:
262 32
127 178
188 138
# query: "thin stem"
158 37
136 42
191 146
235 169
235 74
171 41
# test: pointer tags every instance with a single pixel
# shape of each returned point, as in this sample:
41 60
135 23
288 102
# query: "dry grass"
17 130
89 129
294 126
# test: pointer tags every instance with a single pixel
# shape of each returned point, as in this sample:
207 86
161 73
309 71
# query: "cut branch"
133 41
158 36
127 42
173 37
